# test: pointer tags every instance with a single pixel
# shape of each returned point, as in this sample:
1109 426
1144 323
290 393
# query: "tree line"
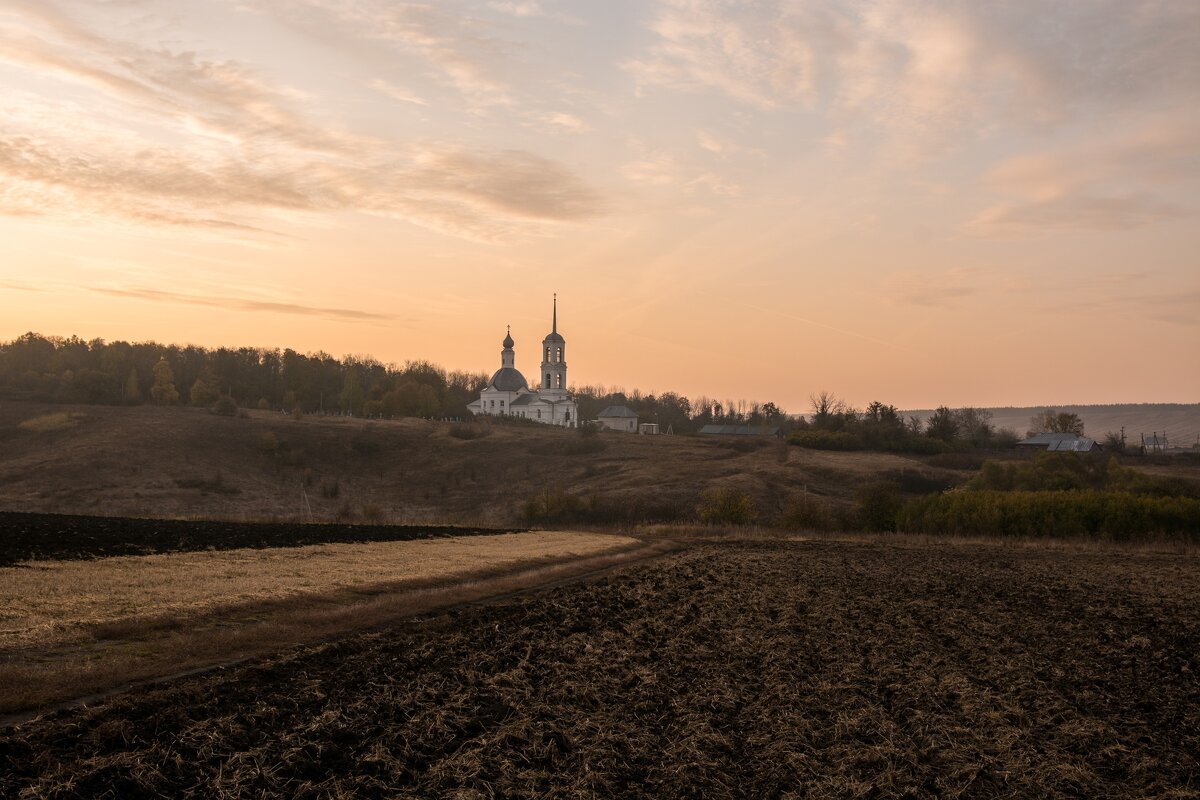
71 370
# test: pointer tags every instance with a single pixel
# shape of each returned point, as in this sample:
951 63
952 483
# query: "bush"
555 506
826 440
727 506
467 431
1119 516
226 406
268 443
878 505
807 513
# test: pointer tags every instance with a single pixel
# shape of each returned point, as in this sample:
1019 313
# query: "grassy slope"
131 461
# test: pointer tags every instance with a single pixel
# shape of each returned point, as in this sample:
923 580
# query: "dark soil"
799 669
66 537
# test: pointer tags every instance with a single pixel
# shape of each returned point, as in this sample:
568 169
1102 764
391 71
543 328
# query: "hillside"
1181 421
182 462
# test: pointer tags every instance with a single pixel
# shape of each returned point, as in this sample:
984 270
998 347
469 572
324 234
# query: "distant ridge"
1180 421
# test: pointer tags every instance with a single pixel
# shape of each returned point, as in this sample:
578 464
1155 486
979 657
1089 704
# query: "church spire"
554 324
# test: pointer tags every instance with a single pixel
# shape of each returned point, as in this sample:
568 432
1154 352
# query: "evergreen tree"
163 391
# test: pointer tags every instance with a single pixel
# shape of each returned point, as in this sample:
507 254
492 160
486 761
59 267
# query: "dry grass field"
739 668
73 627
46 602
181 462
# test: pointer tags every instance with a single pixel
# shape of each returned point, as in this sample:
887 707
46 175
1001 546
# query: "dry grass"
43 602
157 462
51 422
119 652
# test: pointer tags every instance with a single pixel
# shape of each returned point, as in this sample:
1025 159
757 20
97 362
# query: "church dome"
553 336
508 379
508 341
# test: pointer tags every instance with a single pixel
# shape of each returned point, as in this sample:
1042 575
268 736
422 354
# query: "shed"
742 430
648 429
1060 443
618 418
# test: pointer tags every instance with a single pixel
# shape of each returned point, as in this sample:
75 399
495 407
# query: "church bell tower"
553 378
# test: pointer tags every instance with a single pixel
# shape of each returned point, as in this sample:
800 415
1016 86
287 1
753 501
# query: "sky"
923 203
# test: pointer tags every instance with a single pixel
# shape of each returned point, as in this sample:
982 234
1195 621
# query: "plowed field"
40 537
747 669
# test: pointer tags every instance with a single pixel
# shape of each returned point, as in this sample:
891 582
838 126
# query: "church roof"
524 400
508 379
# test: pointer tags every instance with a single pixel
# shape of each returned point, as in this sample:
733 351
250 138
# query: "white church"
508 393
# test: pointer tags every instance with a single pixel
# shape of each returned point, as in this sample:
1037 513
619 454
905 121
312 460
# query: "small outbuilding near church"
618 418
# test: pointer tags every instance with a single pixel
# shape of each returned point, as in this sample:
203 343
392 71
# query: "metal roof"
524 400
740 430
617 411
1061 442
508 379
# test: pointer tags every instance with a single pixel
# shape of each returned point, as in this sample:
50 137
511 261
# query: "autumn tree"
205 390
163 390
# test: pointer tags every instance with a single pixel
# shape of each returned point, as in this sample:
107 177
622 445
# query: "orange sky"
984 204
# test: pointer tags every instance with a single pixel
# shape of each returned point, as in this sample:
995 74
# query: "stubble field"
730 669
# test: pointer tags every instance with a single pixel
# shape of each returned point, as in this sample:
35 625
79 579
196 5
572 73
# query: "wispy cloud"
242 304
945 289
1124 179
925 70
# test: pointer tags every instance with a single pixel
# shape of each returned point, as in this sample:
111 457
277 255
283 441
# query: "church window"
547 380
539 413
558 354
502 404
547 353
558 381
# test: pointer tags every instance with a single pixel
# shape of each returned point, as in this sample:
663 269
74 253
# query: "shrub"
263 404
268 443
826 440
372 513
727 506
807 513
555 506
1119 516
912 481
878 505
467 431
225 406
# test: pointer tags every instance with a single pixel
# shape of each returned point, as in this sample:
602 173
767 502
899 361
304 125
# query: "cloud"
203 144
455 43
223 99
562 121
1124 179
243 304
1077 211
927 72
521 8
940 290
398 92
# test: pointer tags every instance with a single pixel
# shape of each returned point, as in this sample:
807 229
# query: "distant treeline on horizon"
72 370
